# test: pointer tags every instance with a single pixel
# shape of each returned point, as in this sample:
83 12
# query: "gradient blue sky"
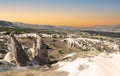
62 12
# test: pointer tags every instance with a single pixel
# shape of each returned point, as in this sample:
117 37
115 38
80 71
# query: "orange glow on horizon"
51 18
83 13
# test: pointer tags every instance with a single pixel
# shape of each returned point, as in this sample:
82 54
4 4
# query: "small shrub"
30 37
60 51
48 65
99 49
48 47
7 33
51 56
86 49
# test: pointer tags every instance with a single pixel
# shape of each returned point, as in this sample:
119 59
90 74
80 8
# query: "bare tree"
19 54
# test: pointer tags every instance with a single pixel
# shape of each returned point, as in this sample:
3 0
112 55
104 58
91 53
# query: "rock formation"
19 54
91 44
9 57
32 52
42 57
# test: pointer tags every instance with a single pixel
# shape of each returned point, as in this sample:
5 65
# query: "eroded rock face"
32 52
9 57
91 44
20 57
42 57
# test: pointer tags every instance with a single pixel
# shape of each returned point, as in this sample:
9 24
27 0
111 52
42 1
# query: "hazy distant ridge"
109 28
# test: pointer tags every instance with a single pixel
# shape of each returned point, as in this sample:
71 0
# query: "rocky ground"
63 49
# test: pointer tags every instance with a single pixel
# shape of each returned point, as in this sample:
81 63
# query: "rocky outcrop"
32 52
42 57
91 44
20 56
9 57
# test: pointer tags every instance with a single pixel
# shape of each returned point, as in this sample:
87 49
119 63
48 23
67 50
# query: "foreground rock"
42 57
32 52
101 65
21 58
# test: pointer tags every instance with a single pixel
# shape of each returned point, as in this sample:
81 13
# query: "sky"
82 13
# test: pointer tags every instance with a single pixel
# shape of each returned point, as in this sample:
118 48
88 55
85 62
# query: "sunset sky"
62 12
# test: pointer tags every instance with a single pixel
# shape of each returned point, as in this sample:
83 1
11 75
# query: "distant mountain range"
23 25
35 26
6 23
109 28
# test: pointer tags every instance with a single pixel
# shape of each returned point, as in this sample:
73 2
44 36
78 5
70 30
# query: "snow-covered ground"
101 65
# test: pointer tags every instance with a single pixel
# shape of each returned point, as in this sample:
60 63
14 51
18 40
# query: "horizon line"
59 25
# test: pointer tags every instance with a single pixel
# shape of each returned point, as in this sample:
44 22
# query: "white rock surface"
87 43
102 65
70 55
